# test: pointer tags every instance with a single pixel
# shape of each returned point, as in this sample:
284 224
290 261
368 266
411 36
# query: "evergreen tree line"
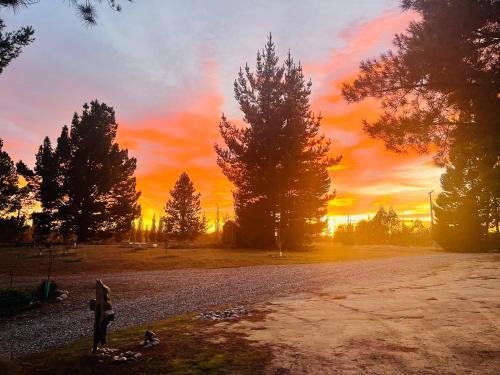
81 188
438 91
384 228
84 188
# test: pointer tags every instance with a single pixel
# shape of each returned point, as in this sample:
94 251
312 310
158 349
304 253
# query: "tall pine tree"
279 161
183 211
467 210
15 200
95 176
48 193
152 235
9 184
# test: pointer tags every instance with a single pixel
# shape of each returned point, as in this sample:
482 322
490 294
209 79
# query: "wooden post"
102 313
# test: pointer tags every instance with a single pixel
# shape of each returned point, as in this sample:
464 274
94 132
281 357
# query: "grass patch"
114 258
187 347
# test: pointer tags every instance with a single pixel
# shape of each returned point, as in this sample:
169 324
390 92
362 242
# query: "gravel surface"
141 297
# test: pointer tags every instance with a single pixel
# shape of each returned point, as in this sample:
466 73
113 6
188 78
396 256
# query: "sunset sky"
167 68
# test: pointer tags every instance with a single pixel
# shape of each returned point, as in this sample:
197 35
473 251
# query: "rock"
150 339
227 314
59 299
137 355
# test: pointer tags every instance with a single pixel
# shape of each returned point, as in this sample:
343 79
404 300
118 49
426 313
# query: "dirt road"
444 320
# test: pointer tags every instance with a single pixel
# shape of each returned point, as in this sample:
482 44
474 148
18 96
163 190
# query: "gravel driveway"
140 297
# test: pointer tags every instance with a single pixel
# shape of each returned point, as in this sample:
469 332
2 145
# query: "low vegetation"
384 228
187 346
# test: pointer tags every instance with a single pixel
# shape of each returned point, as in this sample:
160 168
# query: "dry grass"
187 347
113 258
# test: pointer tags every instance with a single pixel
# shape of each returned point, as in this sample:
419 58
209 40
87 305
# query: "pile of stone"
112 355
227 314
127 356
61 294
150 339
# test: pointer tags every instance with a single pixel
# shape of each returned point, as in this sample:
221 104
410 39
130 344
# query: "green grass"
187 347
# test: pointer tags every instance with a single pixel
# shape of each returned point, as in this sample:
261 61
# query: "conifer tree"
279 161
466 209
96 177
440 84
160 232
132 232
48 193
140 230
9 187
11 43
183 211
153 229
14 199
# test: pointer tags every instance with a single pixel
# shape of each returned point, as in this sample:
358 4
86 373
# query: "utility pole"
432 210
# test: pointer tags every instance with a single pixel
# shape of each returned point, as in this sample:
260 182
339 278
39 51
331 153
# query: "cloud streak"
169 75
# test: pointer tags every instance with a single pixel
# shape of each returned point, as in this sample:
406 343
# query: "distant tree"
278 162
364 233
9 183
140 230
217 223
441 83
419 234
183 211
384 228
11 43
153 229
380 226
132 232
160 232
98 184
147 234
63 156
392 221
344 233
48 194
12 199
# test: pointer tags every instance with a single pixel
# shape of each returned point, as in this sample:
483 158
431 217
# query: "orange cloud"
368 176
